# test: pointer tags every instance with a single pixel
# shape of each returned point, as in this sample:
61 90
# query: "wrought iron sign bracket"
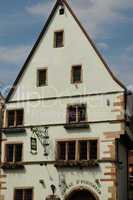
42 134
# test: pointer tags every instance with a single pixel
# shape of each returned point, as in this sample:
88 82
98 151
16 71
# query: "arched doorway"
81 195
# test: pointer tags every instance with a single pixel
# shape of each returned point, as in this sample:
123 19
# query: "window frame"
15 118
77 149
63 39
81 75
23 188
77 117
38 71
14 152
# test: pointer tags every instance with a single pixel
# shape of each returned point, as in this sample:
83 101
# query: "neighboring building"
64 132
129 114
1 108
131 175
1 119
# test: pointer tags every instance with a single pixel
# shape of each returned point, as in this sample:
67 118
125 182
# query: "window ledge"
89 163
52 197
14 130
76 125
12 166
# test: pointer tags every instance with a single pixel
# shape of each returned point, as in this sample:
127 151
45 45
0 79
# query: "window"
15 118
11 118
61 11
66 150
58 39
93 149
83 146
86 150
13 153
42 77
62 150
23 194
71 150
76 113
76 74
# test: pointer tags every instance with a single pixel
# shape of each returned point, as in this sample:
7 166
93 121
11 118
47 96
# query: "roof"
58 3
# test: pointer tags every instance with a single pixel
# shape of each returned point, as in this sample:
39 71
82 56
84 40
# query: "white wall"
54 111
76 50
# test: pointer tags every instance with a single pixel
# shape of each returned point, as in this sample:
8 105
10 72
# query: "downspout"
117 165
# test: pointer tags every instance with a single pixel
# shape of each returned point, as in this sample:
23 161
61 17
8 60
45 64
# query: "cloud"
97 13
103 45
130 87
123 65
129 49
13 54
94 14
40 9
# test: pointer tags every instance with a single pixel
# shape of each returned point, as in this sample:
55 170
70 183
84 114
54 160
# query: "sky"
108 22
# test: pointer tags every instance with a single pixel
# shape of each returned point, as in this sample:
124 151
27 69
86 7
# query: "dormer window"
41 77
58 39
76 113
15 118
76 74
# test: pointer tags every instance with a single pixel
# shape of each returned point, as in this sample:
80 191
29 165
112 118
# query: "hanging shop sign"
33 145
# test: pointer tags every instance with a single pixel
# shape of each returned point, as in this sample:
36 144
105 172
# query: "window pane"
19 117
93 149
18 152
71 151
42 77
28 194
62 151
11 116
72 114
18 194
81 113
9 152
59 39
83 150
76 74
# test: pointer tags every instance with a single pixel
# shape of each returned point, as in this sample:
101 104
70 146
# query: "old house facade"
64 126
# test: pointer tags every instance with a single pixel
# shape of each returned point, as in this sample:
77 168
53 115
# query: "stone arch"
72 194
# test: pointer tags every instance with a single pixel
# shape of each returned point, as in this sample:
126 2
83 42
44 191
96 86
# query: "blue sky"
109 22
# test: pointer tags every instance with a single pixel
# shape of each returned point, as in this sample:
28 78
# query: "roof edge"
32 50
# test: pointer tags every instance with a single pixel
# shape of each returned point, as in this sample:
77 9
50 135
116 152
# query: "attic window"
41 77
58 39
76 74
61 10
